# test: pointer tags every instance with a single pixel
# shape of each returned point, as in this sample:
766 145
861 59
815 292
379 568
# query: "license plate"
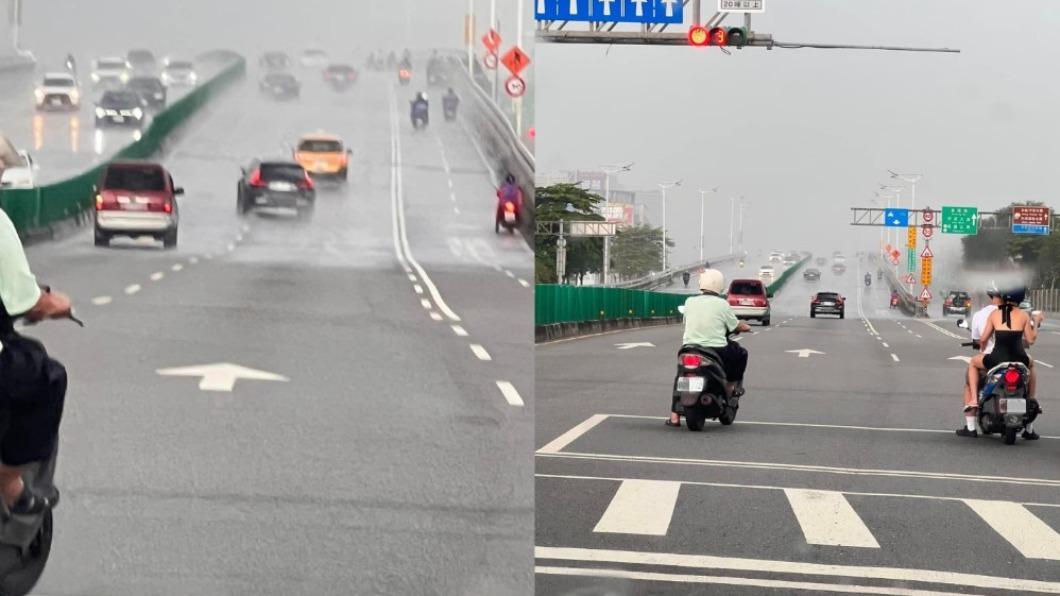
690 384
828 304
746 302
56 101
135 207
281 186
1015 406
119 118
509 217
261 201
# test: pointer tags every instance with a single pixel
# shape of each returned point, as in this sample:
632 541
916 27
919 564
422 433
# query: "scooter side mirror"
962 323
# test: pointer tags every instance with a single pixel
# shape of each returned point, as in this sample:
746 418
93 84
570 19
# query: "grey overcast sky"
805 134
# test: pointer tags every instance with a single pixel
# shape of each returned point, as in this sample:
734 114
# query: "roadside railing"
655 280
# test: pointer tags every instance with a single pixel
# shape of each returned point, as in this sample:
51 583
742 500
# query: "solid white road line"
511 395
1021 528
640 507
101 300
560 442
436 316
157 275
132 289
480 352
457 329
418 288
895 357
827 518
794 568
725 580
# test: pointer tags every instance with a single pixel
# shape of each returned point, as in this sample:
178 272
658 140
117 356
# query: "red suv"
136 198
750 299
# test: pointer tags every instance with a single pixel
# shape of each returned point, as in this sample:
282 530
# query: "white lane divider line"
246 227
157 275
239 238
826 518
177 267
509 274
497 266
456 211
945 332
425 303
457 329
134 288
230 247
436 316
397 198
418 288
193 260
207 256
560 443
1021 528
511 395
886 345
642 507
412 277
1045 364
101 300
524 283
480 352
895 357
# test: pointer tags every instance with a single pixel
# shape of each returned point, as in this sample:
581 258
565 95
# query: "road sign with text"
1031 219
960 220
910 241
896 218
925 271
612 11
741 5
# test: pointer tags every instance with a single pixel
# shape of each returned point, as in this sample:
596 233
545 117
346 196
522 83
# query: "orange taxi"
323 155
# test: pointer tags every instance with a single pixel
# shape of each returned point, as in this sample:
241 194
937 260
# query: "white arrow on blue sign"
616 11
896 218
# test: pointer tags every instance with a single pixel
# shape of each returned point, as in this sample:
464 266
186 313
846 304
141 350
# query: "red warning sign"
516 60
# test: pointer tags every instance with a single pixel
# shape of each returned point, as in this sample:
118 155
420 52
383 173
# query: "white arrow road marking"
965 359
631 345
640 507
804 352
511 395
827 518
1021 528
221 376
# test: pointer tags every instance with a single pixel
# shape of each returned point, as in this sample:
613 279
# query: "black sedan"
839 268
280 85
340 76
275 184
275 61
150 89
812 275
124 108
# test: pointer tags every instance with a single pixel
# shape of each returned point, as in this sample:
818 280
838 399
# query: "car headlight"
100 112
39 93
138 113
124 77
75 95
95 77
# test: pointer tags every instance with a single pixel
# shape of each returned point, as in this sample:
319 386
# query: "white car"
20 176
58 91
766 272
179 73
110 72
314 58
776 256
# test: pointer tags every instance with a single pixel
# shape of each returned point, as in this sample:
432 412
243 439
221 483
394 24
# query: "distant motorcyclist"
868 279
71 64
420 108
509 191
709 321
450 101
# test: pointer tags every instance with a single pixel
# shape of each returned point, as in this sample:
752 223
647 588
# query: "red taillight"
403 73
255 179
307 183
106 201
691 361
1012 378
168 206
509 207
733 300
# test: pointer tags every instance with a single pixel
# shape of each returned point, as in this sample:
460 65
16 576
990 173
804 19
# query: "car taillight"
691 361
733 300
168 206
1012 378
306 183
760 302
105 201
99 202
255 179
404 73
949 301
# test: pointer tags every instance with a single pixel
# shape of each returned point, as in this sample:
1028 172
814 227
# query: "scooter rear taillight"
691 361
1012 378
509 207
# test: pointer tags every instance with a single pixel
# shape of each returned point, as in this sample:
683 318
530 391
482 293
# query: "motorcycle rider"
868 279
420 106
32 384
709 320
1007 333
509 191
450 101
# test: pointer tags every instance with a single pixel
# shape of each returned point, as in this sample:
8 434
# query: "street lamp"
732 223
608 170
739 235
702 209
663 186
912 180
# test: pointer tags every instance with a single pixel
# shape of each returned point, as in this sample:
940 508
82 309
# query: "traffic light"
737 37
698 36
718 36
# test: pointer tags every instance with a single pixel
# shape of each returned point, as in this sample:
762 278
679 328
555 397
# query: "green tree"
566 202
998 246
637 251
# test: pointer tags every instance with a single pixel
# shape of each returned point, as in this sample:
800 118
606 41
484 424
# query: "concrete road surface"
387 450
842 473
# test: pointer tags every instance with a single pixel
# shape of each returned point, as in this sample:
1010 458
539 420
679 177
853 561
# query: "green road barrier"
35 209
776 286
577 304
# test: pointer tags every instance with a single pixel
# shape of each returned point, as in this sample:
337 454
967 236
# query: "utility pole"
912 179
739 236
494 25
517 102
732 224
663 186
702 212
608 170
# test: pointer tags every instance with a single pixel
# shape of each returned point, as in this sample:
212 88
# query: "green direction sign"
910 262
960 220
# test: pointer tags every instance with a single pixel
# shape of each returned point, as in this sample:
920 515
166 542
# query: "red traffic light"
718 37
698 36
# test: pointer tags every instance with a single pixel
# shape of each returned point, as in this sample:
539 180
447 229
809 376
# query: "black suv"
275 184
957 303
811 274
150 89
829 303
123 107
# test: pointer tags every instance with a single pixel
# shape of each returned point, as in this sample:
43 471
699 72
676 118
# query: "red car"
750 299
136 198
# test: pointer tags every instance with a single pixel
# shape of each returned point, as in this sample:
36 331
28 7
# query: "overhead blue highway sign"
896 218
1037 230
614 11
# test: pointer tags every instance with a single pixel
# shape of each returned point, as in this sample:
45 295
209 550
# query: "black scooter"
700 388
420 114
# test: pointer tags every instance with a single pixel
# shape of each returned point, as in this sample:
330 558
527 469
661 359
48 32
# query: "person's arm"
19 290
1030 331
742 327
988 331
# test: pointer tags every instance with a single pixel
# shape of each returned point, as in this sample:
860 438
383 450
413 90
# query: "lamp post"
608 170
912 179
702 211
662 187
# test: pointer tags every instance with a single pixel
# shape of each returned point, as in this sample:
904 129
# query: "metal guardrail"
496 140
655 280
907 302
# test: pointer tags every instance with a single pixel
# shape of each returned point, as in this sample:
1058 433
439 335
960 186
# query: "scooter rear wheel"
727 416
1010 436
20 579
694 419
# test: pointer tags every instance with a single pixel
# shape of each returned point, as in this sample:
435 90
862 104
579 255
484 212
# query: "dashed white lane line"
457 329
436 316
246 227
425 303
177 267
895 357
157 275
193 260
1045 364
510 393
207 256
101 300
886 345
418 288
239 238
498 267
412 277
524 283
480 352
231 247
132 289
509 274
456 210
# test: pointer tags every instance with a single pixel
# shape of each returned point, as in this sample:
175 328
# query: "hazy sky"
806 134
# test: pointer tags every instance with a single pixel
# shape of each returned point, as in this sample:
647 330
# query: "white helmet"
712 280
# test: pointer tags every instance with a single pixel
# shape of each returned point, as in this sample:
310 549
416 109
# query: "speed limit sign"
515 86
491 61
